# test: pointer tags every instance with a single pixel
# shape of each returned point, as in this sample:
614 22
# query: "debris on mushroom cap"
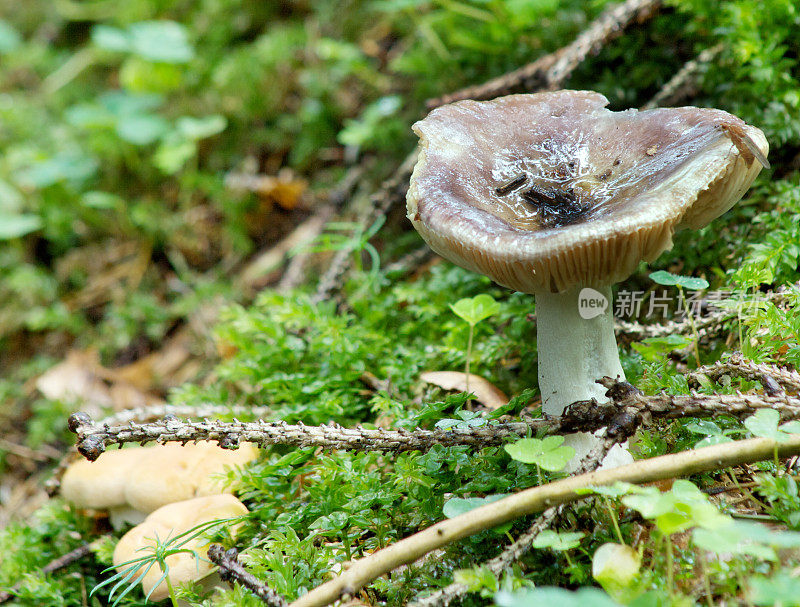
551 190
167 522
146 478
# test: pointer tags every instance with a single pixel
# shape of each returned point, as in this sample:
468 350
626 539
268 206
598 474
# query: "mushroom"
133 482
553 194
168 522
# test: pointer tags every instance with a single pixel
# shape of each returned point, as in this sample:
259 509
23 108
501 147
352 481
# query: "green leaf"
10 39
618 489
764 423
201 128
111 38
781 589
558 541
459 505
546 596
142 129
547 453
161 41
14 226
704 426
474 310
173 154
792 427
687 282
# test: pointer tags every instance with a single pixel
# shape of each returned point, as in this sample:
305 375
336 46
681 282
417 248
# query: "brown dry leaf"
284 189
485 392
81 377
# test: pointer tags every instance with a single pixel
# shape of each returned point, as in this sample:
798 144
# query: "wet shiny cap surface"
550 190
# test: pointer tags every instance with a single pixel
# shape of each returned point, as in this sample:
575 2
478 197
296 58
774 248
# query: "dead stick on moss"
536 499
231 569
551 70
737 365
628 408
94 438
60 562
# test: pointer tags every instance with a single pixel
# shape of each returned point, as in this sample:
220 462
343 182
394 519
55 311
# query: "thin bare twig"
681 85
230 570
392 190
537 499
775 379
628 408
552 70
94 438
60 562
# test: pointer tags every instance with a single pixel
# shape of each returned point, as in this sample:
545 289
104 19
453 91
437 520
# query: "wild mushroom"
133 482
168 522
555 195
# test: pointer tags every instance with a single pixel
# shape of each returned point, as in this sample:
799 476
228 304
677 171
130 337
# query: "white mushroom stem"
573 351
576 346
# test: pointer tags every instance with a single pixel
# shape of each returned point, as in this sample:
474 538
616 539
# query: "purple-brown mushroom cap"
603 190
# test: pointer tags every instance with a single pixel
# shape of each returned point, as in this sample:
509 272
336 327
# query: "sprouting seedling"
132 572
689 283
560 542
549 453
473 310
348 236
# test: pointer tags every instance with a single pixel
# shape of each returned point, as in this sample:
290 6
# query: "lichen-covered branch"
627 409
552 70
94 438
230 570
775 379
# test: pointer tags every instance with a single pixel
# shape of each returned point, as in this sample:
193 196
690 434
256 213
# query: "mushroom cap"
167 522
603 190
146 478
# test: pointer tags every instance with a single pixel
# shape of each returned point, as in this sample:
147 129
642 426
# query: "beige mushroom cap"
168 522
146 478
630 180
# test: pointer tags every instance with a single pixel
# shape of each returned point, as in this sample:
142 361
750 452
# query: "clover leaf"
475 309
547 453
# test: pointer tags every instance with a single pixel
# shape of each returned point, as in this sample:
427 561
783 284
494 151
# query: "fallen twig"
59 563
681 84
552 70
535 500
94 438
230 569
775 379
628 408
391 191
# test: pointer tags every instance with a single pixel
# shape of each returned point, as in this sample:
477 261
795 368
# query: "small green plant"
134 570
549 453
691 283
473 310
764 423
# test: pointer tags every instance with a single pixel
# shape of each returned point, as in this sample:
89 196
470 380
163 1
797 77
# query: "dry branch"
772 377
392 190
535 500
552 70
231 569
628 409
681 85
94 438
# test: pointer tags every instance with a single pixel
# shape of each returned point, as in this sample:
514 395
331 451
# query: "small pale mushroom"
552 193
133 482
168 522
